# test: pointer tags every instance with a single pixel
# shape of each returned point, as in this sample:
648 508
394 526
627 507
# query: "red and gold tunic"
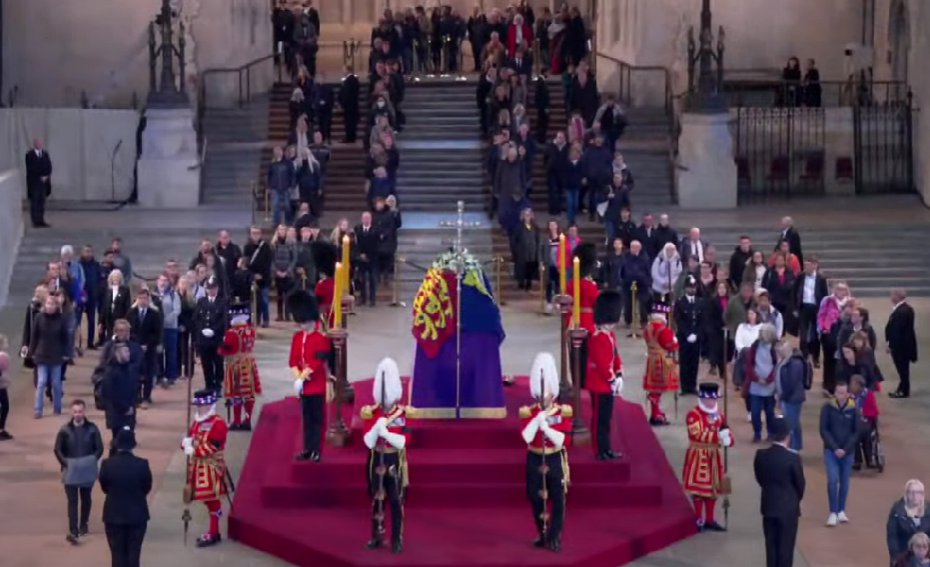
309 353
703 471
661 369
207 469
560 419
241 379
589 293
325 291
396 423
604 363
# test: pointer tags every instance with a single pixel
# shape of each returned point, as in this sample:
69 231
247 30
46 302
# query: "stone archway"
899 41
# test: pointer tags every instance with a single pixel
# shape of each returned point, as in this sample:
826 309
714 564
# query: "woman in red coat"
518 33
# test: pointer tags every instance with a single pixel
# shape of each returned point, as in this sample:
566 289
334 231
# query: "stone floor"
33 521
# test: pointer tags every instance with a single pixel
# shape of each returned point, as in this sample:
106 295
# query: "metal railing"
627 79
243 75
775 92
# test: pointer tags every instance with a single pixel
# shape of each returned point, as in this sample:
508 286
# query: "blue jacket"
791 379
637 269
281 176
598 166
93 279
574 174
839 426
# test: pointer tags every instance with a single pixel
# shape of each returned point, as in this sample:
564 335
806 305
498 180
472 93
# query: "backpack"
97 379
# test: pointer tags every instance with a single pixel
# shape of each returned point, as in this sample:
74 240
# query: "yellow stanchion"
634 302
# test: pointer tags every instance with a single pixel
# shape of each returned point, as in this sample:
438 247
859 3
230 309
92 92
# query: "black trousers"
147 373
393 493
864 446
351 125
602 411
311 410
554 481
74 493
325 123
903 366
212 364
807 331
125 544
542 125
37 206
780 535
187 354
4 407
689 359
369 275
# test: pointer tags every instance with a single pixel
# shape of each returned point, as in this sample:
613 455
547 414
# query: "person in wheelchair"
868 410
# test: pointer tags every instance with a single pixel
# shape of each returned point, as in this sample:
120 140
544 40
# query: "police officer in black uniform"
348 100
211 318
688 317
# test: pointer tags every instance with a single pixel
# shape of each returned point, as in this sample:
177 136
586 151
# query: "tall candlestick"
338 292
563 258
576 285
346 265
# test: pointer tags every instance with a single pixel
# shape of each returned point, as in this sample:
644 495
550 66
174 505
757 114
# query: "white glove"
188 445
692 338
298 386
381 426
618 386
207 333
726 438
24 352
542 420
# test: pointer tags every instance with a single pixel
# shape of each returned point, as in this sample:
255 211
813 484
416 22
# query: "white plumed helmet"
544 373
388 375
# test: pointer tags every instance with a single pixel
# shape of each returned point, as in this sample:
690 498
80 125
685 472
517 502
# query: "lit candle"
576 285
561 263
337 295
346 265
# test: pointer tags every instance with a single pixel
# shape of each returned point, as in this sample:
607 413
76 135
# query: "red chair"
844 169
779 169
813 168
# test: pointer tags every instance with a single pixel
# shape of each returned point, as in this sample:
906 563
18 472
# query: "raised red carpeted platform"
466 505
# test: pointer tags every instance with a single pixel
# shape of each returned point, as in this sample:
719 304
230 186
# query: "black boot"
376 541
555 544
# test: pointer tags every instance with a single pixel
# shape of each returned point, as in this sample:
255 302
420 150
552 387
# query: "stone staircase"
645 147
235 138
440 149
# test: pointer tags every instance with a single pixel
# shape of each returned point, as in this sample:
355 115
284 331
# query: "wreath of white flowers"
450 260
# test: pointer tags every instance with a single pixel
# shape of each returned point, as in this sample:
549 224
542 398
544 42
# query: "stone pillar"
707 172
168 174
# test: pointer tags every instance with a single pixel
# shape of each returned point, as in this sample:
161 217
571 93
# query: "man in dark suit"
126 480
38 181
780 473
323 102
901 341
211 317
367 239
789 233
809 291
693 245
348 100
146 330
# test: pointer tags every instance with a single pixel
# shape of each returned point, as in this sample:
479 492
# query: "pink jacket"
829 313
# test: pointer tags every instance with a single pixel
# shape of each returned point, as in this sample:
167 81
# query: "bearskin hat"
324 257
303 307
607 308
587 258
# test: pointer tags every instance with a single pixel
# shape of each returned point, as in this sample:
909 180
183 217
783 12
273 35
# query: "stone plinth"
168 173
11 226
706 172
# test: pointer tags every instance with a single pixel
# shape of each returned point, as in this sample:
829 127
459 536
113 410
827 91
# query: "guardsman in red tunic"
206 473
605 371
324 256
386 433
704 477
310 351
661 367
546 430
241 382
587 264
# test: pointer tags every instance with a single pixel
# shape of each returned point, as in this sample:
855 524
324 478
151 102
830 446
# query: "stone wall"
11 227
54 50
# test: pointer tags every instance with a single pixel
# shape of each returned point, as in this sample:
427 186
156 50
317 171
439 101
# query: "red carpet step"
466 505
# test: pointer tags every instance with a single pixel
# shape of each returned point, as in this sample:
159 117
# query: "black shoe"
4 436
656 421
72 539
397 547
613 455
713 527
207 540
555 545
315 457
816 364
92 347
540 542
303 456
898 395
234 427
83 531
375 543
247 426
857 467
